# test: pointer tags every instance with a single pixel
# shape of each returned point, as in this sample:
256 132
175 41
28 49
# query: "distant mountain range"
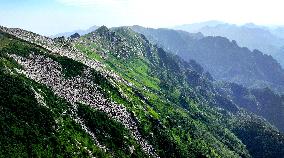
269 40
222 58
80 32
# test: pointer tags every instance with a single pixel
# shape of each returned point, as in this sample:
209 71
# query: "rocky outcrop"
63 48
79 90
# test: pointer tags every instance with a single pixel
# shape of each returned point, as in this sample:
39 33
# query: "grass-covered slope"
39 121
180 93
137 101
34 121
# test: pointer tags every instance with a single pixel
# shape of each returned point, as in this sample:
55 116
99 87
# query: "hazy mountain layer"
224 59
80 32
266 39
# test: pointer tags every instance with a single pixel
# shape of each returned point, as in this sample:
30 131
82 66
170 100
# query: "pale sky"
53 16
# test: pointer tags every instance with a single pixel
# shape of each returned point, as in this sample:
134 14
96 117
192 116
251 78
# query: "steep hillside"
113 94
224 59
176 78
55 106
263 102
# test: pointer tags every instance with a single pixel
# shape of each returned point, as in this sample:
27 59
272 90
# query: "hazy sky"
54 16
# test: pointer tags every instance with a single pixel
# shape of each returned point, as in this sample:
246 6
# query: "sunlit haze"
53 16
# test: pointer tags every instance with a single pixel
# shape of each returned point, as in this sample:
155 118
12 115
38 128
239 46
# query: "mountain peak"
75 35
102 30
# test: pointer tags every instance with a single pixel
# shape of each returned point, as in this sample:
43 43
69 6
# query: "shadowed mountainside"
224 59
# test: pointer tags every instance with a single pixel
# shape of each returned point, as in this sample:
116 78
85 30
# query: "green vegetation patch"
110 133
70 67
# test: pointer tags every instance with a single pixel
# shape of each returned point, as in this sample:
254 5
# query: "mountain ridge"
118 76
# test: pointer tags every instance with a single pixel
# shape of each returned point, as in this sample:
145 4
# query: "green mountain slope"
192 81
226 61
113 94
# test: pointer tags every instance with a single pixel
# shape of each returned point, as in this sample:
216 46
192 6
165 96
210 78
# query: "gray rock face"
79 90
62 48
